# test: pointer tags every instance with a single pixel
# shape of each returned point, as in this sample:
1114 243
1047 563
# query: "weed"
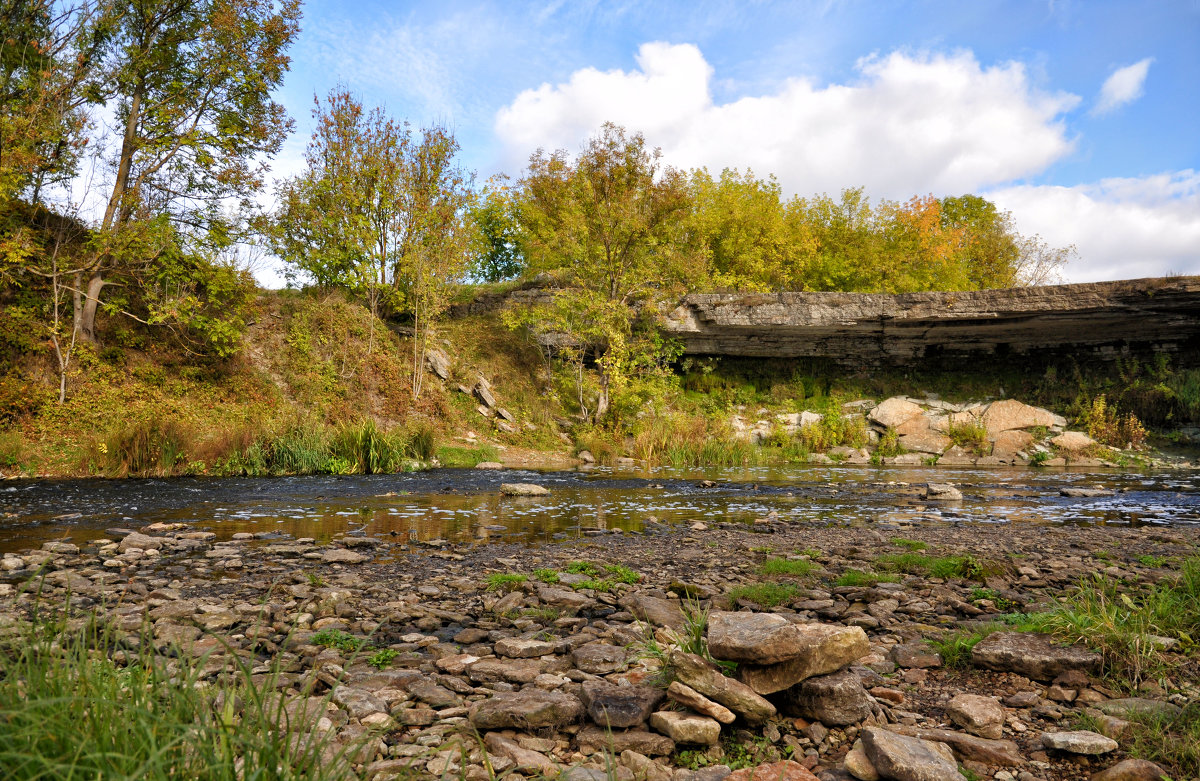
505 581
544 614
967 567
889 445
622 574
854 577
766 595
382 658
1152 561
913 545
798 567
546 575
955 648
336 638
314 580
1107 427
1174 742
912 563
970 436
1040 458
603 586
583 568
812 553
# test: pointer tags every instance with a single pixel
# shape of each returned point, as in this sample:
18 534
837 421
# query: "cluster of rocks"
439 364
561 679
1012 433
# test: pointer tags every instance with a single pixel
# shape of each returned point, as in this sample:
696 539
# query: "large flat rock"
1031 655
820 649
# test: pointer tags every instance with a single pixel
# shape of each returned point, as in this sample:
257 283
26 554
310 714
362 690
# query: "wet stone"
610 705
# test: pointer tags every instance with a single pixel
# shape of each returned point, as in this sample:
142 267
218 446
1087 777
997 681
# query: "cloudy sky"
1079 118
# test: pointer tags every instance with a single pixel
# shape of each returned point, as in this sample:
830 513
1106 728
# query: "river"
465 506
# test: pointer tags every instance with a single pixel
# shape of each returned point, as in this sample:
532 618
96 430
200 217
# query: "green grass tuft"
797 567
767 595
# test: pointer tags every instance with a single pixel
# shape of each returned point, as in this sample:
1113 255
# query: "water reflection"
465 506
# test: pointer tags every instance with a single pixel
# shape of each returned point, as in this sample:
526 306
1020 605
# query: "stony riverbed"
552 677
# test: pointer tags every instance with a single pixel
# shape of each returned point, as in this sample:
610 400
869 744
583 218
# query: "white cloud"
1123 86
910 123
1123 228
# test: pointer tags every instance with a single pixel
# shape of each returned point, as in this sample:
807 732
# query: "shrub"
970 436
1105 425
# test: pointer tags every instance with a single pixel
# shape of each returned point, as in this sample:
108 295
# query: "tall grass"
69 711
146 447
1123 627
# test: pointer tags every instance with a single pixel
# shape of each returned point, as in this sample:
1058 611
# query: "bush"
1105 425
970 436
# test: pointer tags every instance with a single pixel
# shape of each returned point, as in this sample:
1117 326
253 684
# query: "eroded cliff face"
1091 320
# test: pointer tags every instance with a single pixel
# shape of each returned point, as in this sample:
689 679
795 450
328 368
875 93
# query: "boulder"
563 597
977 714
686 695
1132 770
894 412
1012 414
524 759
903 758
526 709
992 752
785 770
1128 707
820 649
521 648
1079 742
687 728
1031 655
610 705
599 658
592 738
1073 442
858 765
438 362
834 700
704 677
1009 443
941 492
483 389
489 466
523 489
138 540
655 610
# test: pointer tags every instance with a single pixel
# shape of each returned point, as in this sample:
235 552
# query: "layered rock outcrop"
1101 319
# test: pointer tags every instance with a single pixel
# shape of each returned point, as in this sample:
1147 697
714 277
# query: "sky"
1080 118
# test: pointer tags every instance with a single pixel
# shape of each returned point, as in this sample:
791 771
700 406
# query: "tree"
495 215
190 82
609 226
380 214
336 220
741 226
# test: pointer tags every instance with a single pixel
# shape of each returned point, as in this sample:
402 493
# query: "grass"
622 574
1121 624
912 545
766 595
505 581
955 648
466 457
854 577
583 568
71 711
1171 742
915 563
797 567
546 575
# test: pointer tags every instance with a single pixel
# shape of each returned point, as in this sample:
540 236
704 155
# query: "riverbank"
478 662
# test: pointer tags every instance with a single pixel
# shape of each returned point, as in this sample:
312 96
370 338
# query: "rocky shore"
583 659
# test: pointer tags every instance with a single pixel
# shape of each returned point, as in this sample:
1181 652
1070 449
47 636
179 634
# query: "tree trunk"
87 320
602 400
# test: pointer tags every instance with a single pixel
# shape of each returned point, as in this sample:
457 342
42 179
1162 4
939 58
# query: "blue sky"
1080 118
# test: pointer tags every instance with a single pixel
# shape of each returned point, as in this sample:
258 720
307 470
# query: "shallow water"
464 506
